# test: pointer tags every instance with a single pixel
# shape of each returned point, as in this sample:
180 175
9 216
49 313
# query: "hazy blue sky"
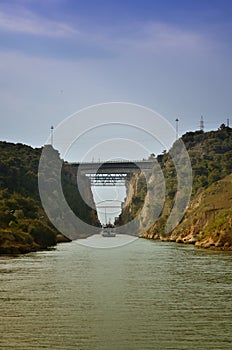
57 56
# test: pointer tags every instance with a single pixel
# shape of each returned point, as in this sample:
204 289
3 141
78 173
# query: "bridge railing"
113 162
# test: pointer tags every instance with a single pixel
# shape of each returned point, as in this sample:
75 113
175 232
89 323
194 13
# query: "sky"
59 56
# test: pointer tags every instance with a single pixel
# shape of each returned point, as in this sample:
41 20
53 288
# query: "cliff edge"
208 220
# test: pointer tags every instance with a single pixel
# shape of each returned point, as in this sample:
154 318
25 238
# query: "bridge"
109 207
112 173
101 205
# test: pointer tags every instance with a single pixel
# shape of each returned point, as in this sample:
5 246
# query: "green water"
144 295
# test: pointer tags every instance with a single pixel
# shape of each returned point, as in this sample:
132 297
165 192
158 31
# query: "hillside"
208 219
24 226
211 158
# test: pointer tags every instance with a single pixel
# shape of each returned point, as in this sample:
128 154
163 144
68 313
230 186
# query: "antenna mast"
52 128
202 126
177 128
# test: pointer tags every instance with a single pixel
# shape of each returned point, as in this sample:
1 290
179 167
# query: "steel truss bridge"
101 205
112 173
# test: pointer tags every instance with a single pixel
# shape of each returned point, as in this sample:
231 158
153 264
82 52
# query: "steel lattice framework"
113 173
108 179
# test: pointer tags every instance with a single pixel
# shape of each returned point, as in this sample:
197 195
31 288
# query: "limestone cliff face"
132 204
131 191
207 222
143 204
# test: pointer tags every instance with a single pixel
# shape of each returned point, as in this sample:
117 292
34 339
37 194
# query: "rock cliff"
207 220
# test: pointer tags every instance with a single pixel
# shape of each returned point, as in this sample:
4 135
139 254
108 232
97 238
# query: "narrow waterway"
143 295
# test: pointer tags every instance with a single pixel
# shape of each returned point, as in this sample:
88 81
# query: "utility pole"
177 128
202 124
52 128
228 122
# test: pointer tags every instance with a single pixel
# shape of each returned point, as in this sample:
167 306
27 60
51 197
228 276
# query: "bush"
42 234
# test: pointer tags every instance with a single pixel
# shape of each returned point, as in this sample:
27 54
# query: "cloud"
158 37
162 35
27 22
94 39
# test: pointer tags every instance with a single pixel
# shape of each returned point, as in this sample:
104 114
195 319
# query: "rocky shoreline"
207 243
13 244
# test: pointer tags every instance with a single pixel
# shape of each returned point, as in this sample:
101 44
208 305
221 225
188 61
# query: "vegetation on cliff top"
210 155
211 158
24 225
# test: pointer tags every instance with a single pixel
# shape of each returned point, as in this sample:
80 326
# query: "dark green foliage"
18 169
210 154
211 159
21 211
42 233
73 197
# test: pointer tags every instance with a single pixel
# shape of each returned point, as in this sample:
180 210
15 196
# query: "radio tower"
177 128
202 124
52 128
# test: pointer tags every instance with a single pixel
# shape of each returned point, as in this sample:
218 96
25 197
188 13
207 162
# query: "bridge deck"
117 167
113 173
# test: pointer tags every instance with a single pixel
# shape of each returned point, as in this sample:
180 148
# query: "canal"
140 296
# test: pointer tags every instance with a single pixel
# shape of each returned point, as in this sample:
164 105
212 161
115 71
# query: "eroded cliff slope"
207 221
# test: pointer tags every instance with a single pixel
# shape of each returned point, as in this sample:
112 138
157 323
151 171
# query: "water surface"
144 295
